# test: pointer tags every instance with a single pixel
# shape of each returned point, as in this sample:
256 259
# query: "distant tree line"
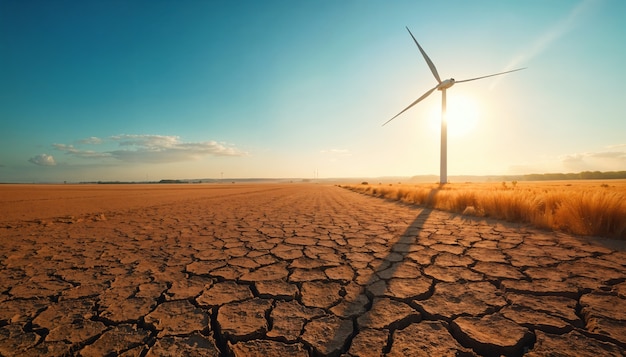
112 182
134 182
585 175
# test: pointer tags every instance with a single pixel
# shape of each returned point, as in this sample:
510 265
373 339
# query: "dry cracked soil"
294 270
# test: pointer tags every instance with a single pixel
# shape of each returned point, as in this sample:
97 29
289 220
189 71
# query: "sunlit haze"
462 115
150 90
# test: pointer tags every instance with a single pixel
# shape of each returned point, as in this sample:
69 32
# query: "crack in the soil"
220 339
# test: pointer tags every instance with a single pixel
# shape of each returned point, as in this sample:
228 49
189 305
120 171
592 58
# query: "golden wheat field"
590 207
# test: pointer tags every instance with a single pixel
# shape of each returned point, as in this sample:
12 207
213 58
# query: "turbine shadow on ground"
395 258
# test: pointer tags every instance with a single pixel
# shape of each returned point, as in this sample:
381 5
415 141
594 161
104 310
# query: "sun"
462 115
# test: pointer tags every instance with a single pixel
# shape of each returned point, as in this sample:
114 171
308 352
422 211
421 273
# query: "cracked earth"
299 270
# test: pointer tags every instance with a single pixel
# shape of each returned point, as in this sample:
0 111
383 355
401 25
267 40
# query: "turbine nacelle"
446 84
442 86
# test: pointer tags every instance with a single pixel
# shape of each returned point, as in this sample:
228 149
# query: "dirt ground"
293 270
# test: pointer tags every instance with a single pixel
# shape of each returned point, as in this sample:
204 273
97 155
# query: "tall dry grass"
596 208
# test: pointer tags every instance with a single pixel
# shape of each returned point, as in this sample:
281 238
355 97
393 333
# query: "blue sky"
136 90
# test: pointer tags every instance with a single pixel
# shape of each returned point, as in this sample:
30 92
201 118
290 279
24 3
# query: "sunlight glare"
462 115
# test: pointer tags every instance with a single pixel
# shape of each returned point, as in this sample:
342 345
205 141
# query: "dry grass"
593 207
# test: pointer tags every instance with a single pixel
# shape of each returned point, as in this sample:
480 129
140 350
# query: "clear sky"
136 90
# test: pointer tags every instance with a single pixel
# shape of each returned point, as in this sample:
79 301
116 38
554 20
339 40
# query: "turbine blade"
491 75
412 104
428 61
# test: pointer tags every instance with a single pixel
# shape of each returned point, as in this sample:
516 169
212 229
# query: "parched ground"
291 270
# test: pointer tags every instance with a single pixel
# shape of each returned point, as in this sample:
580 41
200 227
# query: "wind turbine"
442 86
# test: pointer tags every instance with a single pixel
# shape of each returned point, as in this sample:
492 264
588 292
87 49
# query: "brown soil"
294 269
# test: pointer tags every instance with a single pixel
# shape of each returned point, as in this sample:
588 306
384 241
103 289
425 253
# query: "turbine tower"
442 86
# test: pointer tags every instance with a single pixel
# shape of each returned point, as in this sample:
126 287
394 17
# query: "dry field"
58 202
593 207
293 270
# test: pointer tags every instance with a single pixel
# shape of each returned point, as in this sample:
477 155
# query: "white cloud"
147 141
92 140
87 154
43 160
618 146
613 155
152 149
343 152
613 160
